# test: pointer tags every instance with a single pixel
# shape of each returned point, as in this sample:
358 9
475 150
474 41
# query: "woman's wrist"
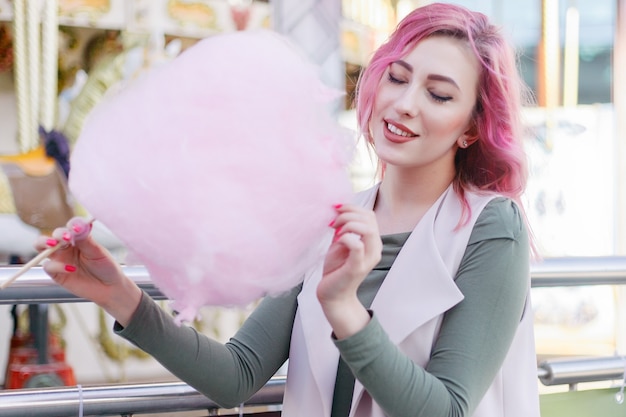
346 318
123 303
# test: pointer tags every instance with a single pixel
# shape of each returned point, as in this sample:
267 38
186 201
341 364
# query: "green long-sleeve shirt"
473 341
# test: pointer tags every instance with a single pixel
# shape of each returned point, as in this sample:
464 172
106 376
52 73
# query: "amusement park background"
571 53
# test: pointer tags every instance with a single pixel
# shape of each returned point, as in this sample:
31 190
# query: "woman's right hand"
86 269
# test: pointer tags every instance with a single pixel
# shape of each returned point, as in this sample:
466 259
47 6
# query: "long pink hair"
496 162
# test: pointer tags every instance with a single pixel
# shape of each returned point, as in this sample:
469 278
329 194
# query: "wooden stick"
33 262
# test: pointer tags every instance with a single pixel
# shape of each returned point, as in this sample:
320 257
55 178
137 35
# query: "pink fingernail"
331 223
70 268
67 236
79 228
338 206
52 242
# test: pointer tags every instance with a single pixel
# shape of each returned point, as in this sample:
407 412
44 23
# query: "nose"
407 103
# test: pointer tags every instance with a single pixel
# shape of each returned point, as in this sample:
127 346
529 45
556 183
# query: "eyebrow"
434 77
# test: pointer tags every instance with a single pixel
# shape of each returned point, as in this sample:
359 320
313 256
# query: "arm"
474 337
227 373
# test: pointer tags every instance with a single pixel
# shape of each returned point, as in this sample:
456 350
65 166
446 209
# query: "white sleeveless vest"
435 249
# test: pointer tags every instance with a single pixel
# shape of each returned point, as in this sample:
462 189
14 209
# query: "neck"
403 199
402 187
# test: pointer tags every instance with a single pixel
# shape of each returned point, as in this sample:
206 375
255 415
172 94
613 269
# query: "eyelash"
393 79
437 98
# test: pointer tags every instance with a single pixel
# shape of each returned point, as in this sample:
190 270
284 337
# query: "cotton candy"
218 170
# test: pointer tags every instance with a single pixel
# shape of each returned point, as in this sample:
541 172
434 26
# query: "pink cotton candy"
218 170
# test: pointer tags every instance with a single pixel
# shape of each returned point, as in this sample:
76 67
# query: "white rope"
20 72
31 138
49 64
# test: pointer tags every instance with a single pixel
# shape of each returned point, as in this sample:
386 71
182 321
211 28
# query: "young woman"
421 307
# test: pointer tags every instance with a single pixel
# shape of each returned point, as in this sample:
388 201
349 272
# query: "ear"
469 137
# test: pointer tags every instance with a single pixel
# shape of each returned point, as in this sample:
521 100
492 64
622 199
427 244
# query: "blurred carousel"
58 59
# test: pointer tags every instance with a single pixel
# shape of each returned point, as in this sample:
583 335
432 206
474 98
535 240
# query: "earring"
464 144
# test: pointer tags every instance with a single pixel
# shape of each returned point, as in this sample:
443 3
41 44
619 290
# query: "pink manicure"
67 236
70 268
338 206
79 227
52 242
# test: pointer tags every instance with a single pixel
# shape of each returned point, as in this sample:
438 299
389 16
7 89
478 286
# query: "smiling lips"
398 134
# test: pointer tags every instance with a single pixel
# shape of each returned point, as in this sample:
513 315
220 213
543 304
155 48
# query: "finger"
352 241
344 208
49 247
366 231
350 211
90 249
63 235
369 244
347 210
343 220
355 216
55 268
76 229
354 261
354 212
44 242
80 227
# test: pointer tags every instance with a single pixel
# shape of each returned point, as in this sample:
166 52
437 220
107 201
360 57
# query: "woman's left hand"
356 249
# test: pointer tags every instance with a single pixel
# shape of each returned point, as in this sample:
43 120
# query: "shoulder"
500 219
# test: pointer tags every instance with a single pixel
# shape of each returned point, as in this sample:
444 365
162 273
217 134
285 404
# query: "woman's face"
424 103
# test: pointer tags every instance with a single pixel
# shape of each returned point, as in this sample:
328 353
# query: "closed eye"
393 79
438 98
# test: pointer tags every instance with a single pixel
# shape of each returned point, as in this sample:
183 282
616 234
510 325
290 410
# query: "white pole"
49 64
20 72
31 138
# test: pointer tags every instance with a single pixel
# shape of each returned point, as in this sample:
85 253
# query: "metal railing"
125 400
129 399
36 287
575 371
579 271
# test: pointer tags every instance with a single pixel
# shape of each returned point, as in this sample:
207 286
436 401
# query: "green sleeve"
474 337
227 373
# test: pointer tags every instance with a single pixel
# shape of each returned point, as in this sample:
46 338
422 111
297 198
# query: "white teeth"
398 131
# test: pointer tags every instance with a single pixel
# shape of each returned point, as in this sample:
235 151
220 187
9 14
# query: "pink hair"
496 162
